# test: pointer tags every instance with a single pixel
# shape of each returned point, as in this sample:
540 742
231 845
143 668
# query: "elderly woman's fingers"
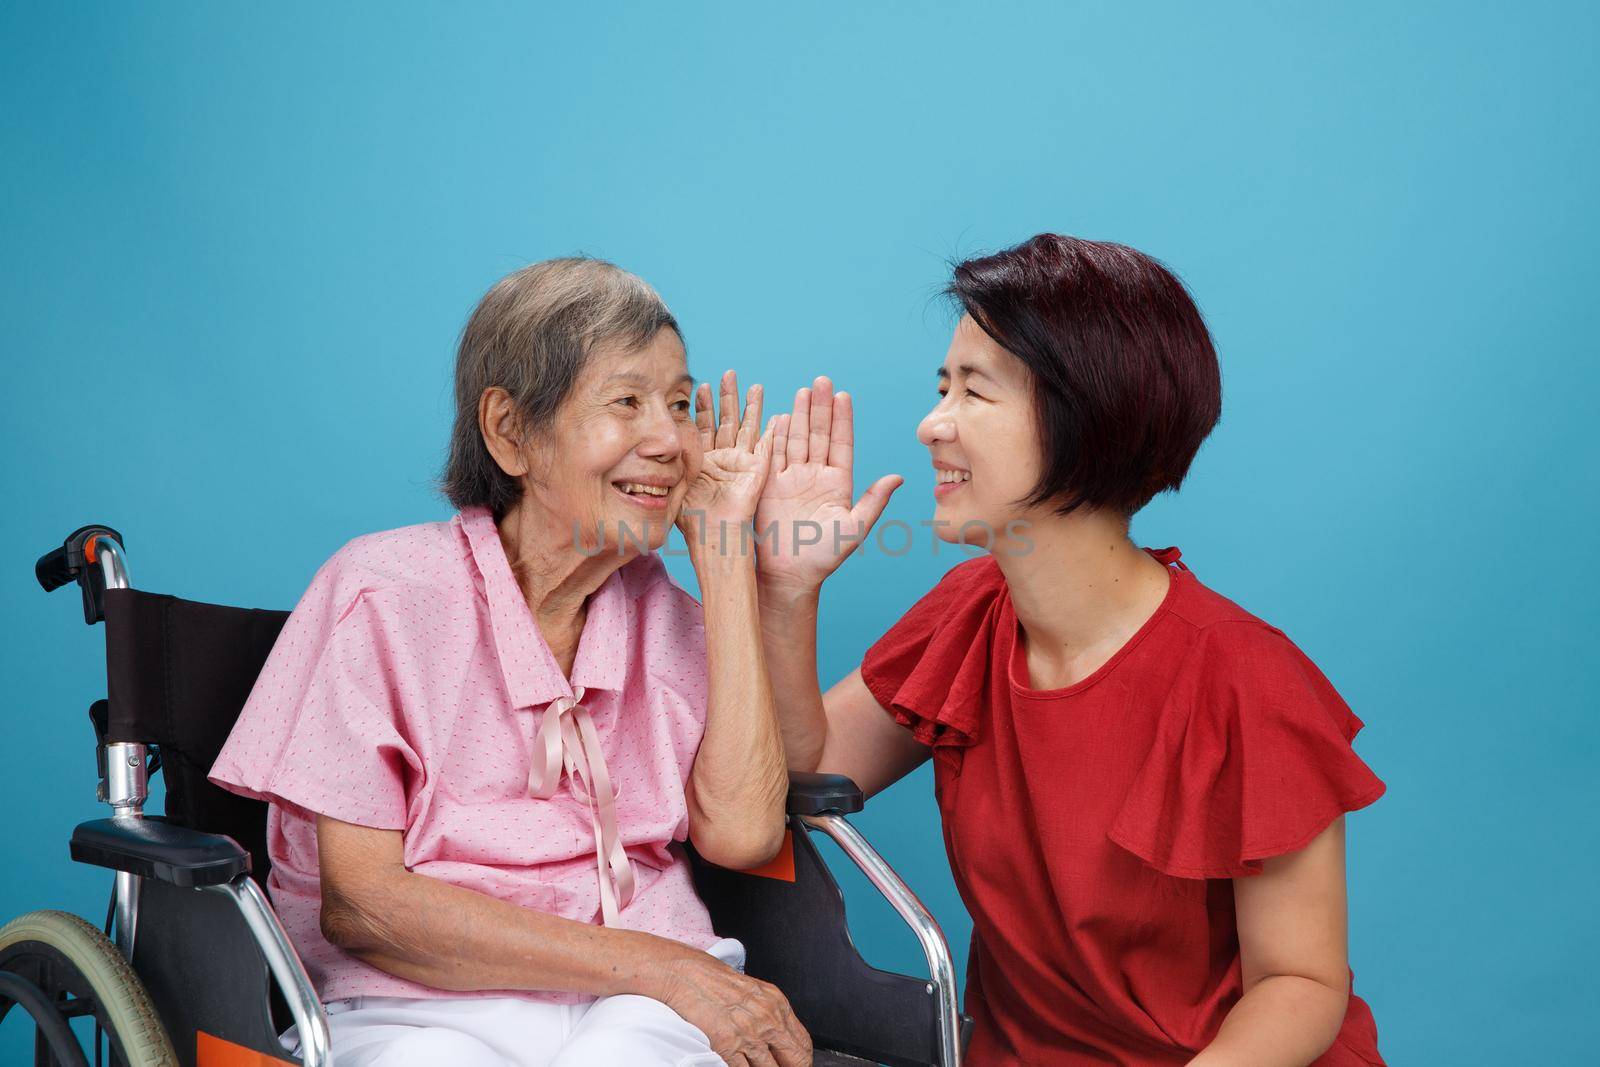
798 428
821 419
763 450
703 415
841 442
794 1050
750 425
789 1050
764 458
728 411
780 445
788 1044
788 1054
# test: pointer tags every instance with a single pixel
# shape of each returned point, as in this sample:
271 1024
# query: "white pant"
512 1032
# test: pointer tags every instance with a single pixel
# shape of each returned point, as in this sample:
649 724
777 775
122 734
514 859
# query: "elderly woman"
481 740
1142 784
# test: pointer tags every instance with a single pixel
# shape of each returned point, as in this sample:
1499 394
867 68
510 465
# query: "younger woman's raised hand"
805 522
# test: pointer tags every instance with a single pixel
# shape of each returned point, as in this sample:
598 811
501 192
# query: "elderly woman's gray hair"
530 335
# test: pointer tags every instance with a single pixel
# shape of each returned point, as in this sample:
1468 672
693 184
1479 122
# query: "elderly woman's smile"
654 494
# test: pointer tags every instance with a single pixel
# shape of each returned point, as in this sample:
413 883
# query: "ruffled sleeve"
930 669
322 730
1252 759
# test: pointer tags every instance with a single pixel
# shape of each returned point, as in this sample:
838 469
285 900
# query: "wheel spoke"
76 1006
53 1034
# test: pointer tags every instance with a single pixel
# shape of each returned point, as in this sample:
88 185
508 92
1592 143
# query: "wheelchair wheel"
58 967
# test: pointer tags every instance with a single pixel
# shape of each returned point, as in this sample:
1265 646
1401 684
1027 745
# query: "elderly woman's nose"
661 439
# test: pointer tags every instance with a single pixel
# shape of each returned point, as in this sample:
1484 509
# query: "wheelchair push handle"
53 570
93 557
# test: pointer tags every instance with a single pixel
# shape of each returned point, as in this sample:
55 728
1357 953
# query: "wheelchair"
193 967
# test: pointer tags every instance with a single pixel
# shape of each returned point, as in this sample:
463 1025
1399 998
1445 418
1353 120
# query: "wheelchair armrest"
823 794
152 847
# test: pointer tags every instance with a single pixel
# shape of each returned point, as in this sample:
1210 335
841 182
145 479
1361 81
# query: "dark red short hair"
1126 382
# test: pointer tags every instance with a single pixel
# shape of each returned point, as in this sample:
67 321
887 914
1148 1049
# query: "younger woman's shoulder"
930 669
1202 606
974 583
1223 633
980 575
1252 756
959 611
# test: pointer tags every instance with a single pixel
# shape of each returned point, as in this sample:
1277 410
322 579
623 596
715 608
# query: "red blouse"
1093 830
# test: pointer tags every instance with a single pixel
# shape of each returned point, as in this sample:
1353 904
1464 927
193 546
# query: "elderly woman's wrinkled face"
983 438
616 460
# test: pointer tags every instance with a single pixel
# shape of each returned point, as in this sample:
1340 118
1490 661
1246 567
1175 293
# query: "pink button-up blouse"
411 690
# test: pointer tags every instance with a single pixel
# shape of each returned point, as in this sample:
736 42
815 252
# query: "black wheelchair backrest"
178 673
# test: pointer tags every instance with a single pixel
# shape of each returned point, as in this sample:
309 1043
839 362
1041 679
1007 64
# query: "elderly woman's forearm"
450 937
789 637
740 778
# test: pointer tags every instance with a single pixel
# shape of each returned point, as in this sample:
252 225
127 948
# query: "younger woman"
1142 785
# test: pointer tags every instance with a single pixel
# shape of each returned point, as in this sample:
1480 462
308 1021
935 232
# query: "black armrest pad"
152 847
817 794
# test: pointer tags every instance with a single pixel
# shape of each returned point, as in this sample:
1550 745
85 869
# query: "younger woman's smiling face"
983 439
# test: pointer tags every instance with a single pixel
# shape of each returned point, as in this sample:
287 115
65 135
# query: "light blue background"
236 248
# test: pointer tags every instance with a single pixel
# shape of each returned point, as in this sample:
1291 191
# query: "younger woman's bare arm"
1293 959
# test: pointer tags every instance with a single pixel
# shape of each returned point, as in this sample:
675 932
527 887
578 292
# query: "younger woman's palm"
805 522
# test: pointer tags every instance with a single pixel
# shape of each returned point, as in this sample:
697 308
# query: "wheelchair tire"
60 954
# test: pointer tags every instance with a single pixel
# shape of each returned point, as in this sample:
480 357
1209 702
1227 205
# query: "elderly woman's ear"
497 418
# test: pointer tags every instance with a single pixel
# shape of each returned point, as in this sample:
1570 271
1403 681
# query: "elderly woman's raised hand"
737 456
807 523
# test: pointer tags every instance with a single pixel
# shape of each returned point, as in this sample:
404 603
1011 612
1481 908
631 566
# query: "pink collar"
532 675
567 739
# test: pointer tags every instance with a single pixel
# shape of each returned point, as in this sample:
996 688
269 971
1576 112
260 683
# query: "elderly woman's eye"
681 407
630 401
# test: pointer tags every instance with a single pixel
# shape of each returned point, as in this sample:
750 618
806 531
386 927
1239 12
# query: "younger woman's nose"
936 426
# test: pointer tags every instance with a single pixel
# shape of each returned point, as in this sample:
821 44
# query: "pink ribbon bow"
567 739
